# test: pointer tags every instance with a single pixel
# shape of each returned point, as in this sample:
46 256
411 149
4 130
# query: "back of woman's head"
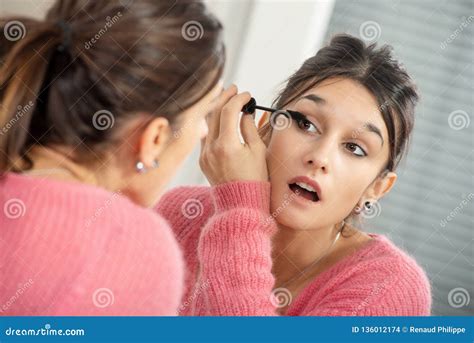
74 78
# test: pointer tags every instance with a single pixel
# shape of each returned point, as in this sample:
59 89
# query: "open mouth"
304 191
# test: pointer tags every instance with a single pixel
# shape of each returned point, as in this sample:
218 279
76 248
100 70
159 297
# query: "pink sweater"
73 249
225 234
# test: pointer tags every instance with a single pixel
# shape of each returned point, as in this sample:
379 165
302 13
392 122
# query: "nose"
317 156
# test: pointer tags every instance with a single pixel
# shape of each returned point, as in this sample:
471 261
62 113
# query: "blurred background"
429 213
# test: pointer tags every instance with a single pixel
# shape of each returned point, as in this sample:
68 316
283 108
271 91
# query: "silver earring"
357 209
140 166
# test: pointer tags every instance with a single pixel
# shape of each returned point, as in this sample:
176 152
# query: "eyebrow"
370 127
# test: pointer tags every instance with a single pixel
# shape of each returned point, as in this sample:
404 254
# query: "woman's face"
337 147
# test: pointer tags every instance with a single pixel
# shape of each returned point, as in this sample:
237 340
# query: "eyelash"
301 121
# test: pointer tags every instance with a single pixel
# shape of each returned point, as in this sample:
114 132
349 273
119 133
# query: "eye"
353 147
306 125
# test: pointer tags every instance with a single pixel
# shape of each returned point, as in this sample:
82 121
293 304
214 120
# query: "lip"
310 182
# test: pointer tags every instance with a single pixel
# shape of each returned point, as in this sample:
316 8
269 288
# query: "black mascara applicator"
251 106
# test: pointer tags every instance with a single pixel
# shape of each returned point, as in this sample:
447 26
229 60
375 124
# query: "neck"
58 163
294 250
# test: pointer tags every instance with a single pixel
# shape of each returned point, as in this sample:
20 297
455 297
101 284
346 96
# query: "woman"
276 233
96 106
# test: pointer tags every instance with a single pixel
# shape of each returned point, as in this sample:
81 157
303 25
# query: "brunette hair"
115 58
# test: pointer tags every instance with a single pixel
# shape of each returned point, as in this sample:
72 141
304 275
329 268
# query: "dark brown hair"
118 57
374 68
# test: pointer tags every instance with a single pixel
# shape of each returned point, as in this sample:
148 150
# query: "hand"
223 157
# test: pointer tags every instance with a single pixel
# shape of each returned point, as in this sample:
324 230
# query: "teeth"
306 186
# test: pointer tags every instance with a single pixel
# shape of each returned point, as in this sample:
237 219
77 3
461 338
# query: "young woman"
95 107
276 232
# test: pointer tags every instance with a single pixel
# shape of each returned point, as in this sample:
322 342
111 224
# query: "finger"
213 119
229 123
249 130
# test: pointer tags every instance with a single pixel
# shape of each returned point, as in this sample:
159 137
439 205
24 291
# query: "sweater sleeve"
235 253
187 209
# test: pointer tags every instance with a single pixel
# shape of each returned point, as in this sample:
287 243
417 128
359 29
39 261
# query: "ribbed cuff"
242 194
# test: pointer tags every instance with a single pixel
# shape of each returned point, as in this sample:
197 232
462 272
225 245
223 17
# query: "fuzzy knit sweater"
73 249
225 234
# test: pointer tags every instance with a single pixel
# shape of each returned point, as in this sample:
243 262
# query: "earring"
140 166
368 205
357 209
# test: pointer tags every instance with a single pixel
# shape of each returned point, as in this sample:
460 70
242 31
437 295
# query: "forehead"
345 97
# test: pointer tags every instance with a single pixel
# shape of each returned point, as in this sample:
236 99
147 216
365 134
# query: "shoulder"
392 280
380 279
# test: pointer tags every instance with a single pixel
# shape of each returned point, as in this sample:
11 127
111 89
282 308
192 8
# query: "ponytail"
21 78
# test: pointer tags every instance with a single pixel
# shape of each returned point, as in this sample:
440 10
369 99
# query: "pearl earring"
140 166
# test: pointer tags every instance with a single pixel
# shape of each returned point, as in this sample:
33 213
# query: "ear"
380 186
153 140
